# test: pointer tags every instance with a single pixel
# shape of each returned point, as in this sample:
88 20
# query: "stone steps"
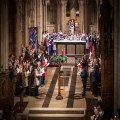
56 113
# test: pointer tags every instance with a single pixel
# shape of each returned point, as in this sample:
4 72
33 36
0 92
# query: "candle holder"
59 60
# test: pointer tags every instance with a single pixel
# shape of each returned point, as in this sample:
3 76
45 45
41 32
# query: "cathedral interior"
101 16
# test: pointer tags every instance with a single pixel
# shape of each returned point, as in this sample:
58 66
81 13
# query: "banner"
33 37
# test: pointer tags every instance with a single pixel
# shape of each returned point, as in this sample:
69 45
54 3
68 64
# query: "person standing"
37 80
25 81
94 76
83 76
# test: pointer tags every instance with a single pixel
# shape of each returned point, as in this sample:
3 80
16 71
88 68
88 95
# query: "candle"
62 52
56 51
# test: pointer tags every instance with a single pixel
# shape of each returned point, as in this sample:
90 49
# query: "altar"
70 47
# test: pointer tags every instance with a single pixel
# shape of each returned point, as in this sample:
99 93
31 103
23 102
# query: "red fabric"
91 47
44 64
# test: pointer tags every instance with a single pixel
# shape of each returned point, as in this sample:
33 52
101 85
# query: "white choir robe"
54 48
37 74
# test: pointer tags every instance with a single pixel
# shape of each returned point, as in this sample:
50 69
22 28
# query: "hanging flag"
33 37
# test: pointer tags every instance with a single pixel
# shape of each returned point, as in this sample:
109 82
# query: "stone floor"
71 88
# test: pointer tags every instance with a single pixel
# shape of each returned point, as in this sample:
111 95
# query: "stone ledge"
58 115
60 109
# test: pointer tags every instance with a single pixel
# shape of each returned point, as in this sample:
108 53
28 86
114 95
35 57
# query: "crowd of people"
89 66
28 70
49 39
97 113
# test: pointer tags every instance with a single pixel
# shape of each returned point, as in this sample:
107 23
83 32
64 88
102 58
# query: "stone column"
26 24
4 35
46 4
107 67
18 27
58 17
81 15
63 15
44 16
98 14
31 14
118 52
39 20
38 17
86 16
0 33
35 13
116 56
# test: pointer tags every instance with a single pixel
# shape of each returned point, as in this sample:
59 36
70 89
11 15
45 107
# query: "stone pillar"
26 23
39 20
45 14
31 14
63 15
98 14
46 3
35 13
58 17
0 33
107 67
118 52
116 56
18 27
38 17
81 15
4 35
86 17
